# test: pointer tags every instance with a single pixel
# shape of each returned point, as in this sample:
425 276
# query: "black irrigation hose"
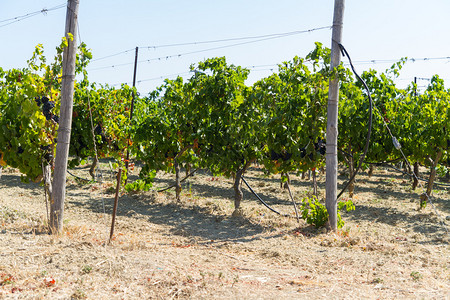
84 179
386 163
403 172
173 185
261 200
162 190
366 147
383 162
373 163
418 178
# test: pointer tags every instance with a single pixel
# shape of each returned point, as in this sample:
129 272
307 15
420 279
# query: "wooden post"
65 120
332 115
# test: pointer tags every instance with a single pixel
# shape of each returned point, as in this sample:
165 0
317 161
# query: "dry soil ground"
195 249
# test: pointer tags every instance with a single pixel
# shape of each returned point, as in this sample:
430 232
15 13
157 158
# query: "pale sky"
373 31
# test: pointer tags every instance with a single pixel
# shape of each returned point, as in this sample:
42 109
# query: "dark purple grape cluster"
285 156
98 130
46 105
48 153
321 147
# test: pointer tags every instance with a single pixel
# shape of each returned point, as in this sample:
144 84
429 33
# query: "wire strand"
256 39
411 175
113 55
43 11
386 61
398 147
238 38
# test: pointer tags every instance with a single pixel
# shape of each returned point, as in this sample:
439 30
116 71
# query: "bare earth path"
195 249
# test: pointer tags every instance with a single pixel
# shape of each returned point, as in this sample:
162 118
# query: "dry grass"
195 249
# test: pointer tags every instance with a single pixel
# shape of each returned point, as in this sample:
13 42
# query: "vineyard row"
213 120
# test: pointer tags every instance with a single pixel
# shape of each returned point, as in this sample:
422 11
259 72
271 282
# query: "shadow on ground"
198 222
13 180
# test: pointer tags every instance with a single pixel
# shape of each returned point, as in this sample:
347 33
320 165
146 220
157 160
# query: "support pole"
119 175
65 120
127 161
332 115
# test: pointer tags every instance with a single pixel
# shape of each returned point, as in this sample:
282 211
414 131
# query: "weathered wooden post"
332 115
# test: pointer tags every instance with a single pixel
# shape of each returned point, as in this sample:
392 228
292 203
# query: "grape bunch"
321 147
48 153
284 155
98 130
46 105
